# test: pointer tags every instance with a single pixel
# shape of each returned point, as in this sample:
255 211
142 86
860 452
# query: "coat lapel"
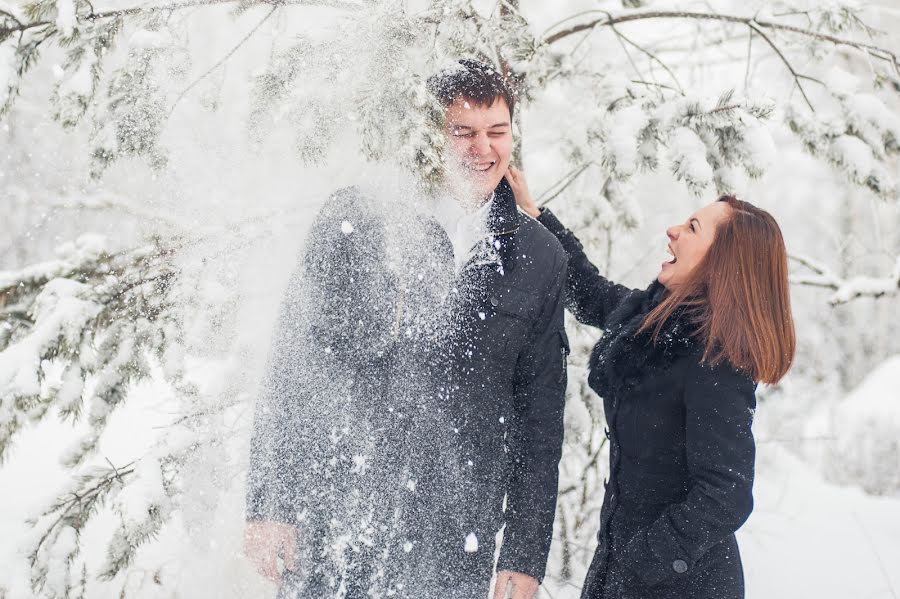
496 249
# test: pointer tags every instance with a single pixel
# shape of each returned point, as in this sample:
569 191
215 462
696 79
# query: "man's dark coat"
461 380
681 452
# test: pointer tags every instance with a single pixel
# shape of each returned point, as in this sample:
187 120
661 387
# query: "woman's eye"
692 226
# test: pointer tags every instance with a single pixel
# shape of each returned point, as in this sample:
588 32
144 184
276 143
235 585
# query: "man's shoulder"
536 240
346 210
348 199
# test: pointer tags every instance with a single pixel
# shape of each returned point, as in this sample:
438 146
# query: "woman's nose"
672 232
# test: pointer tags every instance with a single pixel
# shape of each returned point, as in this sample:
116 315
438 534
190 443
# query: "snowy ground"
806 537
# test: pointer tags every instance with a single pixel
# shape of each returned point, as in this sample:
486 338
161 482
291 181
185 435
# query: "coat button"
495 302
679 566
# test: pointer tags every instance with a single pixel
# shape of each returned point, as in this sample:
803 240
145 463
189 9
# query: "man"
482 416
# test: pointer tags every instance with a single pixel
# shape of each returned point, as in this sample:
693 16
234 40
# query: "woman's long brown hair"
738 296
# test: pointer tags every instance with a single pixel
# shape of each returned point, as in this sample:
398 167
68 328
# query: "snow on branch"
56 545
46 12
76 333
140 495
383 95
859 138
95 315
750 21
846 290
129 114
706 139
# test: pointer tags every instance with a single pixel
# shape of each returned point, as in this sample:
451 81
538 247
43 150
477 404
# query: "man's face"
479 140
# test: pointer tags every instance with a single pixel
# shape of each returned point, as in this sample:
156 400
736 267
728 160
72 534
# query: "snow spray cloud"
351 442
354 440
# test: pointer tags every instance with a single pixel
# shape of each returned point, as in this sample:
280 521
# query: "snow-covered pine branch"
706 140
858 139
56 544
131 105
383 97
861 140
847 289
76 335
141 494
132 117
827 23
89 315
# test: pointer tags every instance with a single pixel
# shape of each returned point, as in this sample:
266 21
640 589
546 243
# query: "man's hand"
519 185
523 586
265 541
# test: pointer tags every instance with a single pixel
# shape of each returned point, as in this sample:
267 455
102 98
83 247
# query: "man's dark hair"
474 82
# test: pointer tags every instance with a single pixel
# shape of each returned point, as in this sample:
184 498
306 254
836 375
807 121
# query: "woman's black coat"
680 443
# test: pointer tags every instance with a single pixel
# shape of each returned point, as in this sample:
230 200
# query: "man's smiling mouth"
481 167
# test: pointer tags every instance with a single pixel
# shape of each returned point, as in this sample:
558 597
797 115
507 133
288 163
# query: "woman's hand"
519 186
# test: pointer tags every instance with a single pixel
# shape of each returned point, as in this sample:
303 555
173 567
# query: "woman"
677 367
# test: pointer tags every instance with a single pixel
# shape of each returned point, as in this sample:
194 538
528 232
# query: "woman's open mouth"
674 259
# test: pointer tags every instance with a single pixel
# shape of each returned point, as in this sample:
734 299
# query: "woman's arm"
589 296
719 405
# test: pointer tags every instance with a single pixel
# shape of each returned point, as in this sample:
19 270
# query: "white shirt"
464 227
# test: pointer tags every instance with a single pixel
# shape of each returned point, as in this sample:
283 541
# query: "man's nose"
481 144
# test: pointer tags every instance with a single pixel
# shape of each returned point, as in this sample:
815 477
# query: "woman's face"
689 242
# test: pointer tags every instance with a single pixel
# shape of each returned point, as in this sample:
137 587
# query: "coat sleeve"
719 406
273 463
335 275
536 447
589 296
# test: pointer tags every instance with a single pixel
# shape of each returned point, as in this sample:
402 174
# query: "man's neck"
470 202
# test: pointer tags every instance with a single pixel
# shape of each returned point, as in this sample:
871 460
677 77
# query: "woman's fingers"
520 190
511 179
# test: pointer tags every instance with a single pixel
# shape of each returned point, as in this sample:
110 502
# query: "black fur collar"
622 357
